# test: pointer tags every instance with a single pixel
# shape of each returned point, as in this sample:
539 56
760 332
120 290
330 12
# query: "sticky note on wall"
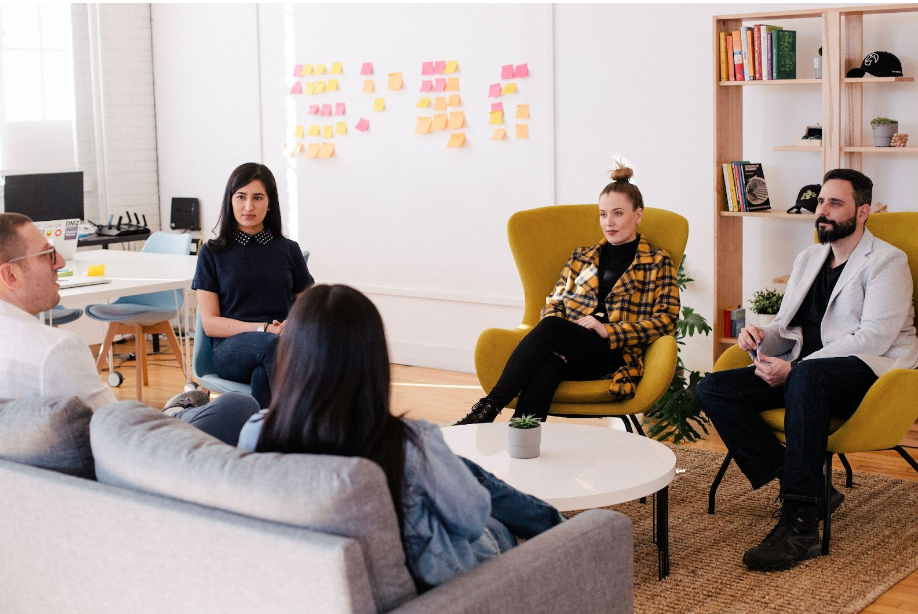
341 128
335 68
454 100
497 117
298 132
499 134
427 68
439 121
522 111
494 90
522 131
366 68
313 130
427 86
326 150
332 85
456 120
521 70
440 103
452 84
509 88
451 67
328 132
306 70
379 104
368 86
506 71
296 88
456 140
320 69
320 87
423 103
339 108
423 126
440 85
439 67
362 125
312 150
395 81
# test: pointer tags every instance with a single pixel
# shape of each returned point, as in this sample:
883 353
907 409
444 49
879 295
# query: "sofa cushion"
51 433
140 448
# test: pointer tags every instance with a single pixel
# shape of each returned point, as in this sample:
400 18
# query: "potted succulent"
524 437
766 303
883 130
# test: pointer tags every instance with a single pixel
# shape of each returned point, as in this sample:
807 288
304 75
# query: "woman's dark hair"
241 177
330 389
621 184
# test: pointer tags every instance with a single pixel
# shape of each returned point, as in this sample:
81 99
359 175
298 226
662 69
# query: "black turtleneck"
614 260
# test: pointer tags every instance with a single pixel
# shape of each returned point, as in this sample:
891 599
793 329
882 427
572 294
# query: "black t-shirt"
814 305
614 260
255 282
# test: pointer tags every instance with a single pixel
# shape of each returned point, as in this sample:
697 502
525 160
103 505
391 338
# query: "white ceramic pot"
523 443
764 319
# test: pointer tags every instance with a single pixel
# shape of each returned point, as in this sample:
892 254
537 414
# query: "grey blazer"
870 313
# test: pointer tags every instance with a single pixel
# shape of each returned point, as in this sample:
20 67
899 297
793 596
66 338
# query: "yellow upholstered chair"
887 411
542 240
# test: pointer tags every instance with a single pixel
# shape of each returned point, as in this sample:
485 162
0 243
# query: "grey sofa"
179 522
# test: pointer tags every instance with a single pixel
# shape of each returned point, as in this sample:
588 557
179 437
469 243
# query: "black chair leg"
849 475
627 423
908 457
712 495
637 425
827 519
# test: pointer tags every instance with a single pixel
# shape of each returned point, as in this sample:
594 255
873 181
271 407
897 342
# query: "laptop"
62 234
77 281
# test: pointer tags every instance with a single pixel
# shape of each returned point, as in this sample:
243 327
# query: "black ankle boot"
483 411
795 538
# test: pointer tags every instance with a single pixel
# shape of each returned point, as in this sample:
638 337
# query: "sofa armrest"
584 565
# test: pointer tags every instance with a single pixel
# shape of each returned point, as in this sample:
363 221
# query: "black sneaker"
184 400
795 538
483 411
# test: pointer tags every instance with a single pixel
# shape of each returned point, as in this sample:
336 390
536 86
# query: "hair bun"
622 173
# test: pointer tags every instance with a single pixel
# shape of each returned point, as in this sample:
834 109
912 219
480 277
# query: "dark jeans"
223 417
814 390
248 357
535 368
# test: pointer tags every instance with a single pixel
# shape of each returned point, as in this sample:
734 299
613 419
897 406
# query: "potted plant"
766 303
524 437
883 130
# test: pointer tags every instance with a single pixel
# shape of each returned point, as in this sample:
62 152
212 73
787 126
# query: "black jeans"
248 357
535 368
814 391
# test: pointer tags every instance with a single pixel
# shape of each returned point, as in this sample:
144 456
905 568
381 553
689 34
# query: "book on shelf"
738 182
754 188
723 56
729 188
738 56
748 54
785 54
731 68
734 321
767 30
757 50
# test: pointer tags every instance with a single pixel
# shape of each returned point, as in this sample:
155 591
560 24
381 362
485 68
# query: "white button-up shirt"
40 361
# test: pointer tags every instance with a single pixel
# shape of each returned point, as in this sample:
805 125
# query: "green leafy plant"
526 421
678 408
882 121
766 302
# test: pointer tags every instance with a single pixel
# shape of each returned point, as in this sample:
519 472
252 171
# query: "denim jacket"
445 508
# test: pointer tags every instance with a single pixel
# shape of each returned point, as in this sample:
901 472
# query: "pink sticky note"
506 72
326 110
439 67
367 68
427 68
522 70
313 110
494 91
297 88
339 108
297 69
427 86
363 125
440 86
497 106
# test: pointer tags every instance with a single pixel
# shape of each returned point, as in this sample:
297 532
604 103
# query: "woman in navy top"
247 279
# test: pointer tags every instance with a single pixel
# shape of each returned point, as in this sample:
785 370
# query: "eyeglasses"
51 251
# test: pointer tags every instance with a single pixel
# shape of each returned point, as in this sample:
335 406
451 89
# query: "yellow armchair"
542 240
888 410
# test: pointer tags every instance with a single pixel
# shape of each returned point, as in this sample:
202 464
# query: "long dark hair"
331 386
241 177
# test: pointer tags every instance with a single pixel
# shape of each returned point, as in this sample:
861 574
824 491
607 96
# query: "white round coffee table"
579 467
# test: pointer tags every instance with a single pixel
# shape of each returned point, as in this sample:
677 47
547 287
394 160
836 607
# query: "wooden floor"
445 396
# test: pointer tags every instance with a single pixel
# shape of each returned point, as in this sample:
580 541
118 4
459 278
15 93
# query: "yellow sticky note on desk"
96 270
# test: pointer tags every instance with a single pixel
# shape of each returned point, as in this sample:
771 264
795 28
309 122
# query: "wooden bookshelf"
772 82
895 151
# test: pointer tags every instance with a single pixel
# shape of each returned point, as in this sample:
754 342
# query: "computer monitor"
45 196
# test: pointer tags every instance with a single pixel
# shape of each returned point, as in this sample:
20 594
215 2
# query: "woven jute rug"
874 545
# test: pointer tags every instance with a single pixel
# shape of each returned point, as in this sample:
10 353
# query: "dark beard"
838 230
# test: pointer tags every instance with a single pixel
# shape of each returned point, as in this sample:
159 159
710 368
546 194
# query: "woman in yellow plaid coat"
612 300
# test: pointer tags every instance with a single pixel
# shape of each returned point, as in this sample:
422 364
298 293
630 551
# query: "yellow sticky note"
328 132
423 103
332 85
379 104
423 125
341 128
297 149
452 84
312 150
499 134
96 270
320 69
456 120
509 88
368 86
310 88
456 140
298 133
395 81
439 121
313 130
522 111
440 103
454 101
306 70
336 68
320 87
497 117
522 131
327 150
451 67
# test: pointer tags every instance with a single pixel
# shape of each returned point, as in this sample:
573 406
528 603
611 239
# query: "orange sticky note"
522 111
522 131
368 86
332 85
499 134
320 87
298 132
312 150
313 130
440 103
456 120
452 84
328 132
379 104
297 149
509 88
451 67
335 68
327 150
456 140
320 69
439 121
423 125
341 128
454 101
306 70
423 103
497 117
395 81
310 88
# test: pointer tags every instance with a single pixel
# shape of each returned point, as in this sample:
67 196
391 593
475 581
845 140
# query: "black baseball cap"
878 64
806 198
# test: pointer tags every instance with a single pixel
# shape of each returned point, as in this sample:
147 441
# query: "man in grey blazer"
846 319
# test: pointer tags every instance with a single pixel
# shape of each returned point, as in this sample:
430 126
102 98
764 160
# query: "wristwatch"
263 327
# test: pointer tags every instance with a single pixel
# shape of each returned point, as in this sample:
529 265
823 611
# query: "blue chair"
202 364
61 315
144 314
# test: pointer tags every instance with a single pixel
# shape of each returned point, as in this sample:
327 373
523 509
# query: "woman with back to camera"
247 280
332 397
612 300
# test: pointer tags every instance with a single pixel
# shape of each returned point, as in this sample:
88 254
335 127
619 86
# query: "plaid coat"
642 306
